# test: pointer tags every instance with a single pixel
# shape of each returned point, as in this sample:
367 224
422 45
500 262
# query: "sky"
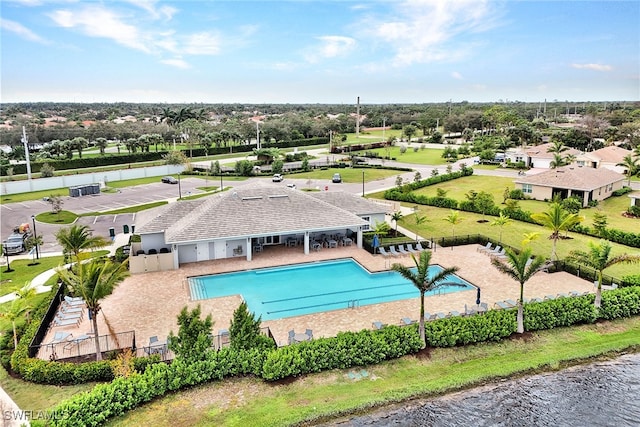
306 51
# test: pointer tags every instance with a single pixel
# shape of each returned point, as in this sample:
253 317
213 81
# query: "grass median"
249 401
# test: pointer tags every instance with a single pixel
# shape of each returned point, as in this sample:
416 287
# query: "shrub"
516 194
622 191
194 335
46 170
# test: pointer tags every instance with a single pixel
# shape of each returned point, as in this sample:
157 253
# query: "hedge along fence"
342 352
404 194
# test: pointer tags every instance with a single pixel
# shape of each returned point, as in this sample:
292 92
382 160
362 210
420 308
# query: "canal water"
597 394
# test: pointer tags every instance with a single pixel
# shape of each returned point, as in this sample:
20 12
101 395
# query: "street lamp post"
221 188
4 248
362 183
35 235
179 188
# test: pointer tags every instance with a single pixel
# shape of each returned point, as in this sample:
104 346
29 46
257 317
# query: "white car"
277 178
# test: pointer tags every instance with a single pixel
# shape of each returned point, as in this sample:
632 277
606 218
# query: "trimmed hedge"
344 351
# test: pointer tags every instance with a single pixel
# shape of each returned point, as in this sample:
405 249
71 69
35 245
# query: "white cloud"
176 62
201 44
164 11
593 67
456 75
96 21
424 31
21 30
330 47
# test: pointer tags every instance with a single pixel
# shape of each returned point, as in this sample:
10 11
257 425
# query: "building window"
527 188
366 227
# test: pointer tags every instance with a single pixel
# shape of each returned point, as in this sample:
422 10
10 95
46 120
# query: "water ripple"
598 394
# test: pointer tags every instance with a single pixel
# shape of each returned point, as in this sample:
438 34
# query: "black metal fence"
46 321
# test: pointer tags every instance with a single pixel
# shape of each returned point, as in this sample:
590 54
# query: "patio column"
249 249
359 237
306 243
176 262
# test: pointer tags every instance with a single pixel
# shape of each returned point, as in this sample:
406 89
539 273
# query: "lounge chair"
419 247
483 307
563 295
501 254
60 336
487 247
67 322
292 335
407 321
453 313
392 250
153 340
503 305
439 315
62 316
511 302
495 251
71 309
75 342
73 301
383 251
378 325
309 333
402 250
549 297
410 248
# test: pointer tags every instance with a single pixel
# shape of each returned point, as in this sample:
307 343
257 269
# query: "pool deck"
149 303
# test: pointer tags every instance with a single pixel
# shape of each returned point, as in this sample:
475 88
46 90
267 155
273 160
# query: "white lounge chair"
67 322
407 321
494 251
392 250
74 302
410 248
378 325
419 247
402 250
60 336
383 251
487 247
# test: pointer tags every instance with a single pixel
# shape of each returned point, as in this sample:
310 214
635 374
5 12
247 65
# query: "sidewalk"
39 281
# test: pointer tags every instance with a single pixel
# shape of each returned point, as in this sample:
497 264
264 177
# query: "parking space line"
95 219
7 207
114 217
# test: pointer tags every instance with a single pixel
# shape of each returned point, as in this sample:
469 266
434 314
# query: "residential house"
586 183
607 157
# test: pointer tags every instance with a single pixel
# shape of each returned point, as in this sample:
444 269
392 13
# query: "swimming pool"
287 291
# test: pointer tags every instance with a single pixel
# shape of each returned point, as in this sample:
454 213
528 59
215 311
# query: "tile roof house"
586 183
607 157
246 220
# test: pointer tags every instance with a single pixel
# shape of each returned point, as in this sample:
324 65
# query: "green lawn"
512 234
130 209
351 175
495 185
62 217
249 401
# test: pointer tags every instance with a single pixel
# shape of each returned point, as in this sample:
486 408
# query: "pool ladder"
354 303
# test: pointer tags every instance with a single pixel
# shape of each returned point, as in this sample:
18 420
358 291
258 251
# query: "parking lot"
14 214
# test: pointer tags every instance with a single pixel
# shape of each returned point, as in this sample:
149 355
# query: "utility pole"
358 118
257 136
26 152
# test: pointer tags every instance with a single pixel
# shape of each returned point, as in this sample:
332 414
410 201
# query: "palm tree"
419 219
395 217
13 312
77 238
501 221
421 280
557 219
454 219
598 257
93 282
631 165
520 267
558 161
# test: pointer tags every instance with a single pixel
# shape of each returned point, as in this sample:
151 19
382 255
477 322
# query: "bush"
516 194
46 171
622 191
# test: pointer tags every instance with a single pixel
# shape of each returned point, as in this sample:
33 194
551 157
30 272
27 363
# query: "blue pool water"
279 292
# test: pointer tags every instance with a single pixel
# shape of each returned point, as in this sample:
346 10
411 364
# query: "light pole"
4 248
362 183
221 179
179 188
35 235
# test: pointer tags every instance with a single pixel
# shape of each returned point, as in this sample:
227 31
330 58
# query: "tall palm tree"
520 267
631 167
94 281
557 219
423 282
558 161
599 258
454 219
395 217
501 221
77 238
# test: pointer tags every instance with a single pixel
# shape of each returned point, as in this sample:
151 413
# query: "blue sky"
319 51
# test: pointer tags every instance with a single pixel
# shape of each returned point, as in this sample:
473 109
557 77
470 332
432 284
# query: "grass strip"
130 209
327 395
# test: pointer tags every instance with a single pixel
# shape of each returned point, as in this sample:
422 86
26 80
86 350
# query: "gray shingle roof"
254 210
575 178
351 203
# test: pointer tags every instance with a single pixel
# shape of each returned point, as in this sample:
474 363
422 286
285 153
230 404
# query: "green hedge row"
344 351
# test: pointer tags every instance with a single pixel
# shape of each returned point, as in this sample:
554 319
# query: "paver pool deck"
149 303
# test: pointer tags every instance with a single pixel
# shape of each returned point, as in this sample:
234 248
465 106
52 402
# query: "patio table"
299 337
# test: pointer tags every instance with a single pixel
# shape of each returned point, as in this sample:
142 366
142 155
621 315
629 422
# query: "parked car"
336 178
277 178
16 243
169 180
